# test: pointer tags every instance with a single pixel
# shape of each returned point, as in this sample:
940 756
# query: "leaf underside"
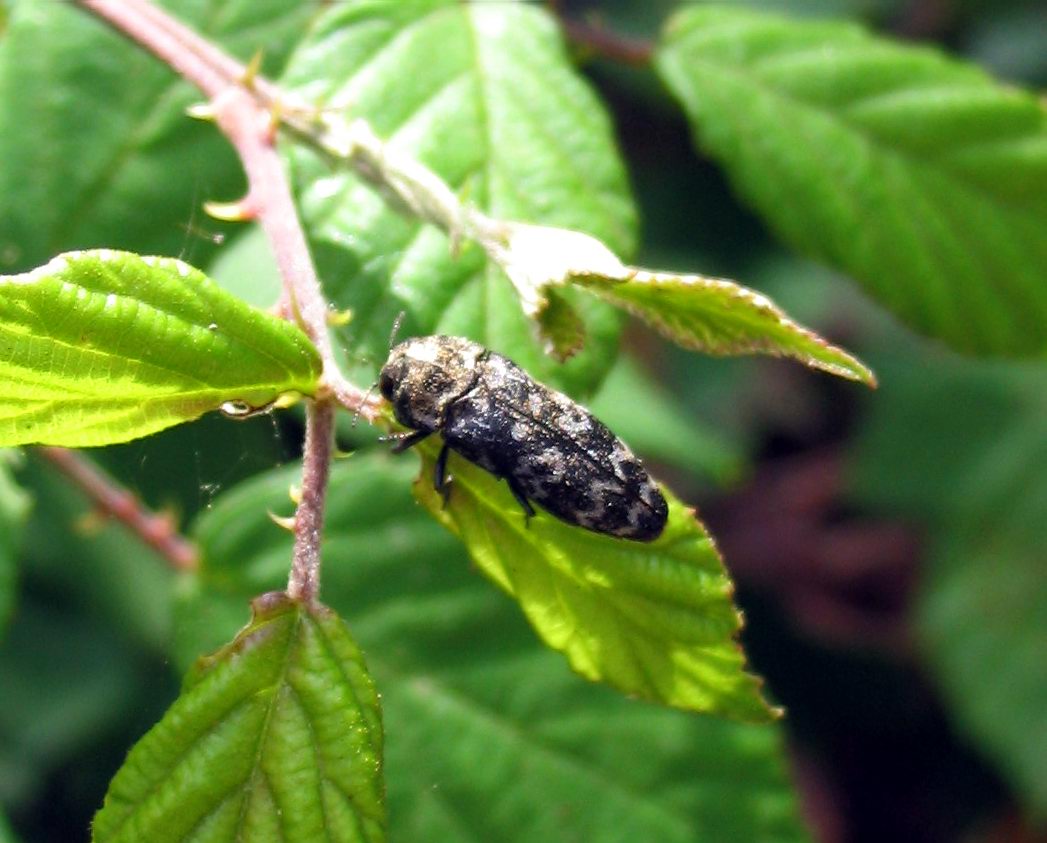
720 317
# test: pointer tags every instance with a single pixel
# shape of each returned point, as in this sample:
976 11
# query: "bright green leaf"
102 347
275 737
96 144
484 94
654 620
14 505
915 173
489 735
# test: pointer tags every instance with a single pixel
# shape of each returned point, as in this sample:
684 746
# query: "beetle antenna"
366 398
397 324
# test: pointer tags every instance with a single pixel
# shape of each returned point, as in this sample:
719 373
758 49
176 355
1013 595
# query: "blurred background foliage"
889 547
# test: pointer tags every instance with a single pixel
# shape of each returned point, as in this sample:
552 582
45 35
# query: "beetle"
548 449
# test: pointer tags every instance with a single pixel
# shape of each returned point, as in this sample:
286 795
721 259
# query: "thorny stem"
269 201
112 500
248 124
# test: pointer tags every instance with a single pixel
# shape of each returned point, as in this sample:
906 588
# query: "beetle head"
424 375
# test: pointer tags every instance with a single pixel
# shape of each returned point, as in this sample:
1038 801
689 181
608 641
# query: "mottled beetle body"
547 448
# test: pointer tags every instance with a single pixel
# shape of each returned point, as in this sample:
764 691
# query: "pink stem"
155 530
304 581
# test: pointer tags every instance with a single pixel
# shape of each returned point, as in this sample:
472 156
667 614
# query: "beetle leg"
521 499
405 440
441 479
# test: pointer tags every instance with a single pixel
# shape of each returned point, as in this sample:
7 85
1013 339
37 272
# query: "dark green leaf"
67 679
915 173
489 735
275 737
14 506
483 94
964 448
6 835
96 145
116 582
102 347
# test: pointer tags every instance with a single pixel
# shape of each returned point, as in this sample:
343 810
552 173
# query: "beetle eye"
386 384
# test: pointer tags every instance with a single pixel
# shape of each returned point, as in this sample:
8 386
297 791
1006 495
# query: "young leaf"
489 736
485 95
14 505
102 347
917 174
653 620
277 737
705 314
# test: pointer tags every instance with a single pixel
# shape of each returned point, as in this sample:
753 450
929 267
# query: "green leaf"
717 316
915 173
14 506
117 582
484 95
963 447
983 616
6 835
654 620
136 170
276 737
489 735
102 347
706 314
69 683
